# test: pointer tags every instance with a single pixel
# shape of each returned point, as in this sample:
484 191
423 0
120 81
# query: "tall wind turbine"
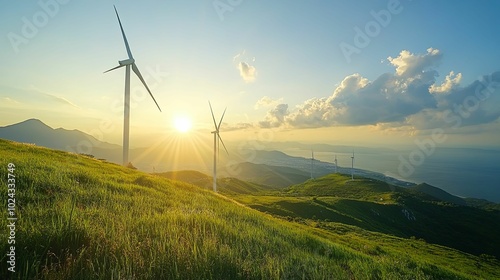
312 164
217 141
352 165
128 63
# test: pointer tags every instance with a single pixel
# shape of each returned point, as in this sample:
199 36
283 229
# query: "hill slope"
79 218
378 206
439 194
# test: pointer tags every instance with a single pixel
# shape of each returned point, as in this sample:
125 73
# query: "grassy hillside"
377 206
341 186
79 218
439 194
482 203
189 176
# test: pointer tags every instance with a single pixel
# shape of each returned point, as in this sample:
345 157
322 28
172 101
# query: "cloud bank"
408 97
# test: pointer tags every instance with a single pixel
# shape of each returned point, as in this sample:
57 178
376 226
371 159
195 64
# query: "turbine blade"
138 73
119 66
222 143
221 119
213 117
123 34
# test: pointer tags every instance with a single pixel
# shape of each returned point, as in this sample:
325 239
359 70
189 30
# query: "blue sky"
275 65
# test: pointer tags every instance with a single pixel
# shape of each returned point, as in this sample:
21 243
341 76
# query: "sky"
371 73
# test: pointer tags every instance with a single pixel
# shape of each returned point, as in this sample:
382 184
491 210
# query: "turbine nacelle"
125 62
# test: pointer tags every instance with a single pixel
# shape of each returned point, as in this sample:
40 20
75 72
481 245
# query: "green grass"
80 218
340 185
377 206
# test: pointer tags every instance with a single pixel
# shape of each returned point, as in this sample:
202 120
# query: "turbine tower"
128 63
312 164
352 165
217 141
335 163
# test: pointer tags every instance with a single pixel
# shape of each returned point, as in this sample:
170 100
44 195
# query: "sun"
182 124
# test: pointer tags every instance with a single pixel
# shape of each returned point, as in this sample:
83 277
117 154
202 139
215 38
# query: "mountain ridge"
34 131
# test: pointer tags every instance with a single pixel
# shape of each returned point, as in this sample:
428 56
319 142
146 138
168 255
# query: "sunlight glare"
182 124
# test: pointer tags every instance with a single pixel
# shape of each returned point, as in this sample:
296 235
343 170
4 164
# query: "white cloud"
314 112
448 84
267 101
247 72
408 64
59 99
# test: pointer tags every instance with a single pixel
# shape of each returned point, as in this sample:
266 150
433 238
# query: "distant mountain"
224 185
36 132
439 194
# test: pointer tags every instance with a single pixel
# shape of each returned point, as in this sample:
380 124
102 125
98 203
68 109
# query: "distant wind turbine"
312 164
352 165
128 63
217 141
335 163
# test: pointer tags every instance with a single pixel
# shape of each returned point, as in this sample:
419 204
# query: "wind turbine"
217 141
312 164
128 63
352 165
335 163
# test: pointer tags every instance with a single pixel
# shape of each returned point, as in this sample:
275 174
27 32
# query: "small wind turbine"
312 164
128 63
335 163
352 165
217 138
